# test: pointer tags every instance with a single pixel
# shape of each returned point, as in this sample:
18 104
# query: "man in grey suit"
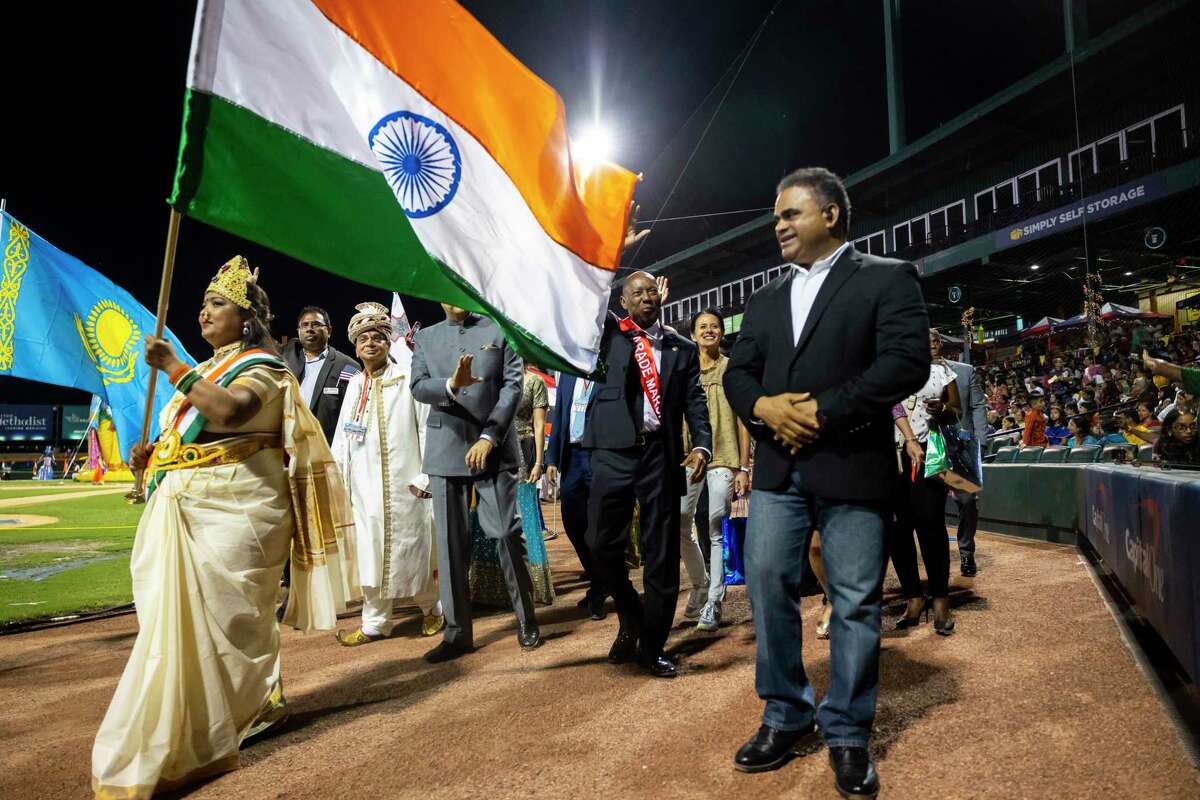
469 376
973 433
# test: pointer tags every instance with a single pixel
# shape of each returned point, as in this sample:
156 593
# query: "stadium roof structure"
1026 117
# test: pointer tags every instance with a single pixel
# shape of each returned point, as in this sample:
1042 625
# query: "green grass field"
86 550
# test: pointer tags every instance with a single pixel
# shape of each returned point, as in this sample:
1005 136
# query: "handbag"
944 462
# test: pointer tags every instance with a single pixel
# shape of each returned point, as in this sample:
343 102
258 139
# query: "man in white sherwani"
378 446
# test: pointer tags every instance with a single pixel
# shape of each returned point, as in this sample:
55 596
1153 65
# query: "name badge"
355 431
331 390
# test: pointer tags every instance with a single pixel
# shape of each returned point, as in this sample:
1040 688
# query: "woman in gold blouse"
239 478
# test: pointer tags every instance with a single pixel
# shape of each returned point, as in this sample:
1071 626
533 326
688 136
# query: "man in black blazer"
823 354
323 371
568 464
634 431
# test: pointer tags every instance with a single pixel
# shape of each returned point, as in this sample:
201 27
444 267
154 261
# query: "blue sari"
487 578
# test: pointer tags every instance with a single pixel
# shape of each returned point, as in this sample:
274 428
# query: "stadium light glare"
594 145
1034 267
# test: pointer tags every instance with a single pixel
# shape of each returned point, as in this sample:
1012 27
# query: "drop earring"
245 329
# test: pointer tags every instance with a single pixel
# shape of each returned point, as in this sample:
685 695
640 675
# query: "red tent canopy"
1040 328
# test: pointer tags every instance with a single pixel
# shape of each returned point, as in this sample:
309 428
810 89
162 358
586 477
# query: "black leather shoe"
966 565
770 748
624 647
596 606
447 651
853 772
659 667
529 637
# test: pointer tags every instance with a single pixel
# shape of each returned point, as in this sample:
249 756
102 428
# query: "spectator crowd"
1045 396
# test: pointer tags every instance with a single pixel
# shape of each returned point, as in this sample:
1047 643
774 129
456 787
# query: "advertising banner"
22 423
74 424
1091 208
1139 523
1166 556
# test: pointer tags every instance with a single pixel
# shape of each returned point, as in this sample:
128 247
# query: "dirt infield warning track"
1034 696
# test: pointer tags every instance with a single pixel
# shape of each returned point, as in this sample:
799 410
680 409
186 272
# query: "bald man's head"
639 298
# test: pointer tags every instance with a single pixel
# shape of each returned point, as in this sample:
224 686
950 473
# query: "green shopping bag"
936 461
943 464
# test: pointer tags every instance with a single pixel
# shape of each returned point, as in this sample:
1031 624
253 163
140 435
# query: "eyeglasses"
311 324
1184 426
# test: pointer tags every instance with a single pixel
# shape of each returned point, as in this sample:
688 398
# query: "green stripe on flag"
245 175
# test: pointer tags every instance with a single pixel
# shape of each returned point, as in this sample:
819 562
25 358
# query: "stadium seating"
1145 453
1029 455
1084 454
1006 455
1055 455
1109 453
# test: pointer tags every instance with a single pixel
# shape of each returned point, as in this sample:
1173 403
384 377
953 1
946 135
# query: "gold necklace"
223 352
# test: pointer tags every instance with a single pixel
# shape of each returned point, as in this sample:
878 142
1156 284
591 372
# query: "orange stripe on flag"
445 54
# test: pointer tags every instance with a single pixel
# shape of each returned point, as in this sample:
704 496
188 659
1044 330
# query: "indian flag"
399 144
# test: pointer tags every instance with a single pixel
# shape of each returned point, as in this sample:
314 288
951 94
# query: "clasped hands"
792 417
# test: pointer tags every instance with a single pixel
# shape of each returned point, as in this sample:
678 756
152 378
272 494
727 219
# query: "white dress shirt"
805 285
580 397
312 371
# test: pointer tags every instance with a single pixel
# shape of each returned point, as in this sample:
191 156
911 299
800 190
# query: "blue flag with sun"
61 322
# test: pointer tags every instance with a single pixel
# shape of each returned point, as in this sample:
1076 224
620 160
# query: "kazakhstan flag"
61 322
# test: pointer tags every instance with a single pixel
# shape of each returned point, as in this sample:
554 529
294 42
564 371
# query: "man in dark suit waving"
823 354
634 432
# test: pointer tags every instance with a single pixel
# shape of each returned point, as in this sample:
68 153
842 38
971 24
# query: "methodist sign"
1090 209
26 423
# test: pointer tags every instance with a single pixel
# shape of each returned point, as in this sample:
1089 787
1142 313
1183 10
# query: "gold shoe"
431 624
355 639
273 713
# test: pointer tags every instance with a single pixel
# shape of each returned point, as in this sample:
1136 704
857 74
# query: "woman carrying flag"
240 475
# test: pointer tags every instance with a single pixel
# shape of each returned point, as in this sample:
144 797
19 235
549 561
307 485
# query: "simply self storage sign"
1092 208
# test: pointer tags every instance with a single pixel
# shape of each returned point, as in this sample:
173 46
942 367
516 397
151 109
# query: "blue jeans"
852 550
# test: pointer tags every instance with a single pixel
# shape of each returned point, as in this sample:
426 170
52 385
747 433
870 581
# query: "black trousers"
968 521
575 481
618 478
921 506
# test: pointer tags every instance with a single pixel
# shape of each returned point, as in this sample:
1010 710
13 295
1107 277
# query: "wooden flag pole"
138 494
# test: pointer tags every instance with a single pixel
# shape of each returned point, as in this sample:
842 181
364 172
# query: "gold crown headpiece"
231 281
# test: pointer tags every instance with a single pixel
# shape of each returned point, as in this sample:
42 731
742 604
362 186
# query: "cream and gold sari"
210 549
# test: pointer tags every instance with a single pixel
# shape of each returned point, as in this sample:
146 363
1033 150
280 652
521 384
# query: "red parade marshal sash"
643 356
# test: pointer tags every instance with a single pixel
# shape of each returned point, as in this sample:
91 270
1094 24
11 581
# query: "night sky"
93 96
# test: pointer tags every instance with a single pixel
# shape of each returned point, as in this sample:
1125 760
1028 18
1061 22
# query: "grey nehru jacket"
479 410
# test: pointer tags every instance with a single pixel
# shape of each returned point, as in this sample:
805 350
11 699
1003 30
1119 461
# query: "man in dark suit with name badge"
634 432
323 371
823 354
